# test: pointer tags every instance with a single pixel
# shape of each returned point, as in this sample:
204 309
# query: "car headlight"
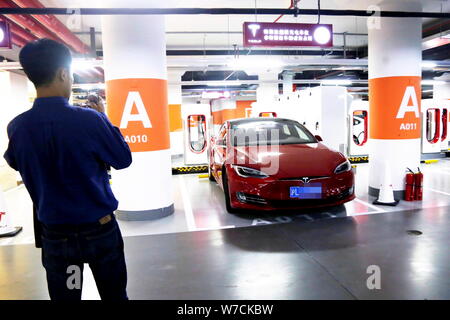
249 172
343 167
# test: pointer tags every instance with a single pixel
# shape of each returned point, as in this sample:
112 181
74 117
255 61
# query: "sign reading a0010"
287 35
5 35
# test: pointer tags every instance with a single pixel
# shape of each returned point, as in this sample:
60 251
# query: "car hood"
288 161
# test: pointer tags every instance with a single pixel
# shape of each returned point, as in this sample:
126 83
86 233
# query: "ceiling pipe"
29 23
19 31
18 40
221 11
281 16
52 23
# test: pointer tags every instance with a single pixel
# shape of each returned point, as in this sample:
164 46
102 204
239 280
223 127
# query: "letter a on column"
134 98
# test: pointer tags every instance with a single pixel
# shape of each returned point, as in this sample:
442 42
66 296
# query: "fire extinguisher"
409 190
418 185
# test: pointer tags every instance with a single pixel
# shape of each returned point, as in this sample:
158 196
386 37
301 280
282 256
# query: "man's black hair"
42 58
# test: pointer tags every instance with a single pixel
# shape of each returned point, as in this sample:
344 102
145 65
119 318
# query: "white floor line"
14 189
215 228
437 191
369 205
188 213
365 213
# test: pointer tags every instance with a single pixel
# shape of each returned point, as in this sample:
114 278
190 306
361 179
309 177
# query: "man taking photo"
62 153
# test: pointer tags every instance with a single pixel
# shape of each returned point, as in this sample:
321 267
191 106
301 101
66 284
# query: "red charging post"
409 190
418 185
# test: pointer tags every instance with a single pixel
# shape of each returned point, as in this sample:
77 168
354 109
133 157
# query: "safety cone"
5 229
386 195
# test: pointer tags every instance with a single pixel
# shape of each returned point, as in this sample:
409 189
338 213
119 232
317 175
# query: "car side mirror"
319 138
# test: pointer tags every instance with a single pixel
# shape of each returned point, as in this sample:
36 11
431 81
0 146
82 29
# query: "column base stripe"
145 215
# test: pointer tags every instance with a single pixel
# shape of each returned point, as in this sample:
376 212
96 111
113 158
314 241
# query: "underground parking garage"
260 150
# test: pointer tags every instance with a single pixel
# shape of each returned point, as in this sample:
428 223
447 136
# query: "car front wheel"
230 209
210 175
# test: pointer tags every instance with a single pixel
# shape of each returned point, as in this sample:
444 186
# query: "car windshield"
269 132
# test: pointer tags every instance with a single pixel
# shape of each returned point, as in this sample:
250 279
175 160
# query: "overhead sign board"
287 35
5 35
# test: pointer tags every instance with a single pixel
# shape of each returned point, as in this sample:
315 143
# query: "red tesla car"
274 163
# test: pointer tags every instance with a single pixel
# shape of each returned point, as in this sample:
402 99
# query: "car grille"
301 178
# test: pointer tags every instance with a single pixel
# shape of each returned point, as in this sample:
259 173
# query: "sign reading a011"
139 108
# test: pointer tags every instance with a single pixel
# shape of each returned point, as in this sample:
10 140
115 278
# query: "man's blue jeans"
66 248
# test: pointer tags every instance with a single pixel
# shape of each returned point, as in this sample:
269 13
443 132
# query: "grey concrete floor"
200 216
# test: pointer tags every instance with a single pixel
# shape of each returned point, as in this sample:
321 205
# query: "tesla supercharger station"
358 126
435 125
322 110
196 124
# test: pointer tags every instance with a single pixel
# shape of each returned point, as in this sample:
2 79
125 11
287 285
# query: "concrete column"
288 78
137 102
395 56
267 91
175 121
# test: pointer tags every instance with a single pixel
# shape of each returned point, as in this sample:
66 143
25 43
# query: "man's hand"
96 103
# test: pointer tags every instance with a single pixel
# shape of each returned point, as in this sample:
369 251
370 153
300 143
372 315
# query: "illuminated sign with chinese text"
287 35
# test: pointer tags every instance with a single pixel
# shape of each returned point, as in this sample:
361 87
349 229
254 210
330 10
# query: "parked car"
274 163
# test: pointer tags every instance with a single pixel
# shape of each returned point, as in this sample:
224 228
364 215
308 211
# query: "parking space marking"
437 191
369 205
188 213
14 189
365 213
215 228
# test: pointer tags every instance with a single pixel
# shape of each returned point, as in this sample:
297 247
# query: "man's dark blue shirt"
62 153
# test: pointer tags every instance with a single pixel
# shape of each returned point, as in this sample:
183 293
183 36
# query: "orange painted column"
137 102
395 57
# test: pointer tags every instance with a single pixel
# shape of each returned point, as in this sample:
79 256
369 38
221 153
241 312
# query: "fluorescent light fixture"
2 35
337 82
429 64
82 65
432 82
215 95
255 63
224 83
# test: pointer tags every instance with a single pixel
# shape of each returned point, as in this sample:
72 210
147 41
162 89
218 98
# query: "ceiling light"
82 65
90 86
223 83
432 82
337 82
429 64
215 95
255 63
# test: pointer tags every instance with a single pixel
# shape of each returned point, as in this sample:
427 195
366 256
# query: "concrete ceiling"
233 23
